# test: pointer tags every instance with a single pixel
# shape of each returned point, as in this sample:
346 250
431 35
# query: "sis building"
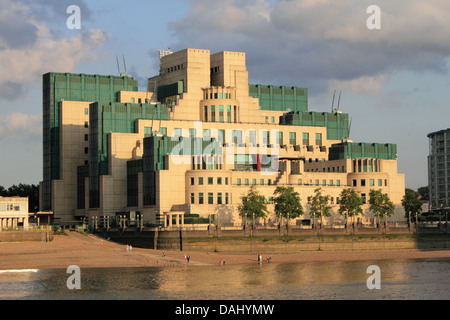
195 142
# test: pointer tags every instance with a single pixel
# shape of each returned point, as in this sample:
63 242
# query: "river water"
412 279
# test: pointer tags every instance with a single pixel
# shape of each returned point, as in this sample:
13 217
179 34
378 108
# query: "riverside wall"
275 241
19 236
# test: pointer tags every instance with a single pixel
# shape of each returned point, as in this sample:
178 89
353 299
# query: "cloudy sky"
394 80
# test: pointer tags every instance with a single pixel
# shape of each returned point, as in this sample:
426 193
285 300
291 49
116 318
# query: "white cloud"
307 43
29 48
366 84
19 125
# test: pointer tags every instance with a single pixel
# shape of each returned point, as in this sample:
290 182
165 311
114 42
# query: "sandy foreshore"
95 252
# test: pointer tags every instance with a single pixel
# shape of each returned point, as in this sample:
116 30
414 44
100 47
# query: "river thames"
406 279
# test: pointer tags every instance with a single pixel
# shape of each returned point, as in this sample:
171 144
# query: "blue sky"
394 80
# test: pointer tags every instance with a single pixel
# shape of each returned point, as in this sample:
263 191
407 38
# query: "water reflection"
400 279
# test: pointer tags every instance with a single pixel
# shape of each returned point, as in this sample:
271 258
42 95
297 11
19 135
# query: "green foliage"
411 202
319 205
350 203
424 192
380 204
287 203
253 205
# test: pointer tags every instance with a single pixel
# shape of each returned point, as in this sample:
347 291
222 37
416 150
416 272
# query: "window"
86 137
371 182
269 182
318 139
226 180
261 182
363 197
267 119
280 137
266 137
200 198
363 182
317 182
246 182
306 138
235 114
331 182
86 124
163 131
226 197
206 134
354 182
237 136
192 133
210 180
192 181
200 181
228 113
86 111
86 150
380 182
206 114
213 113
252 137
338 182
221 136
272 119
299 182
220 113
219 198
324 182
238 182
385 182
292 138
219 180
253 182
132 100
177 132
192 198
210 198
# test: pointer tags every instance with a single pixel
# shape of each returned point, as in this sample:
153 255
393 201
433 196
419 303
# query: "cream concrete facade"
215 102
13 213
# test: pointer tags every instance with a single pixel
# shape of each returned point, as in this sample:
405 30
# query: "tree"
350 204
287 203
380 204
253 205
411 203
424 192
319 205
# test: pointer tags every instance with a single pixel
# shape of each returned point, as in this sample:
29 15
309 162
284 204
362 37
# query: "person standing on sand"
188 257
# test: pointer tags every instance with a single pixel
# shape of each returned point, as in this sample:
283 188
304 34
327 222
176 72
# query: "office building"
195 142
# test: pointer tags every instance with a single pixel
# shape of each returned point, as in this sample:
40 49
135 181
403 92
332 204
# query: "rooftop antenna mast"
339 100
332 103
118 68
124 65
349 127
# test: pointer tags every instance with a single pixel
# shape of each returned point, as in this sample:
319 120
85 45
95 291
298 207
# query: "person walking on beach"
188 257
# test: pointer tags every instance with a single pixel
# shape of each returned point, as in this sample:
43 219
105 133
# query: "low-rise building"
13 213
